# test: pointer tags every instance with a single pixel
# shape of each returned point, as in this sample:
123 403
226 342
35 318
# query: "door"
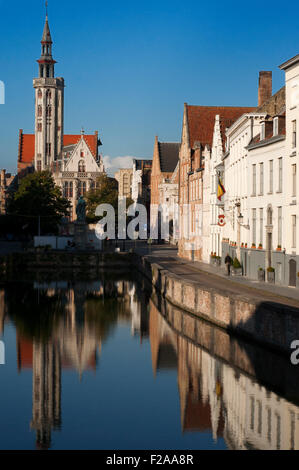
293 269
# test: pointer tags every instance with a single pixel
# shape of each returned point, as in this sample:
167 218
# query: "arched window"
66 189
48 95
39 110
81 188
39 93
81 166
71 189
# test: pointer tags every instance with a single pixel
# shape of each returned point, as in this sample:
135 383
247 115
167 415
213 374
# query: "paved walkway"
212 276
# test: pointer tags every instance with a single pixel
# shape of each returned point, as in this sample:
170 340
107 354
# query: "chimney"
265 87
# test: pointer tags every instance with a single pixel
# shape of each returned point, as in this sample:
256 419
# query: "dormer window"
262 131
275 126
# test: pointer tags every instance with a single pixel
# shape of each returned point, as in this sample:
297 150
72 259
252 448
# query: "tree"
38 197
106 192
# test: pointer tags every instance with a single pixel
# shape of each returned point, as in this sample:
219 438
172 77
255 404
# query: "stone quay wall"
269 323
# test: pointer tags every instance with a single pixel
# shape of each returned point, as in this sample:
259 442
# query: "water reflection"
63 326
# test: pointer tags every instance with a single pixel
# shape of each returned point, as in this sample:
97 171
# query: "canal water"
98 365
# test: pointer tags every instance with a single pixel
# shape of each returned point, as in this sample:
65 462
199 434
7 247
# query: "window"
280 175
261 225
254 226
66 189
294 189
279 235
82 154
71 189
39 127
271 176
48 149
49 111
294 136
294 234
262 131
252 413
81 166
261 179
39 93
275 126
39 165
39 110
81 188
253 180
269 216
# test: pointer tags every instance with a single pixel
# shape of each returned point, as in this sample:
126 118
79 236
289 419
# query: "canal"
102 364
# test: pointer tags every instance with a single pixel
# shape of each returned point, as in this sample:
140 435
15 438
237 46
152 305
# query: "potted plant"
253 246
261 274
217 260
260 246
245 245
278 248
236 267
271 275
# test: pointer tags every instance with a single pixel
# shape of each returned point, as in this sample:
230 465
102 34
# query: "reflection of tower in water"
46 393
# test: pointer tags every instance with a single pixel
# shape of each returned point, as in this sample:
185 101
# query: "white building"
290 175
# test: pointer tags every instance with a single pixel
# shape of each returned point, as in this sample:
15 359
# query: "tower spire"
46 62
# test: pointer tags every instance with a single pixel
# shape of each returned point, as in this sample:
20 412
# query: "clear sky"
130 66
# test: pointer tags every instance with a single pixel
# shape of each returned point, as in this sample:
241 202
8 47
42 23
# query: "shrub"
236 263
270 269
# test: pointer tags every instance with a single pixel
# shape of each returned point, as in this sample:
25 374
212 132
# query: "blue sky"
130 66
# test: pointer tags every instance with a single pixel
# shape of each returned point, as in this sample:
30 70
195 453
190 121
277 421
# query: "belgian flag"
220 190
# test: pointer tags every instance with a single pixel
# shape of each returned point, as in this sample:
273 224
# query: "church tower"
49 104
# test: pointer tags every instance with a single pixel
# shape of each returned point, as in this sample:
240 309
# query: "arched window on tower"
39 93
81 166
39 110
48 95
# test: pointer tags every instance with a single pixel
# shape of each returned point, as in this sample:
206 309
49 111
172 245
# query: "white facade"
216 206
291 178
236 179
169 197
266 209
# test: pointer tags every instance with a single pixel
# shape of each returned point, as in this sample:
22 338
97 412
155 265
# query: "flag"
220 190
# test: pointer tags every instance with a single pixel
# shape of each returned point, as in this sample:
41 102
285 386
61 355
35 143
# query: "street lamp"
239 220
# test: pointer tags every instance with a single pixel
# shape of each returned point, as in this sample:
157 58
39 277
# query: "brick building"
7 184
195 156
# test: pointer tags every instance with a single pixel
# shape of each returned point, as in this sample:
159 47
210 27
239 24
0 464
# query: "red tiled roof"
26 148
201 121
91 140
27 145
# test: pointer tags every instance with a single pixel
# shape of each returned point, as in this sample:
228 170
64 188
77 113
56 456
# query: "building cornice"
285 65
264 143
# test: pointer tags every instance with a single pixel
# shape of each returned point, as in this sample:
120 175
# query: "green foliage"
236 263
38 195
270 269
